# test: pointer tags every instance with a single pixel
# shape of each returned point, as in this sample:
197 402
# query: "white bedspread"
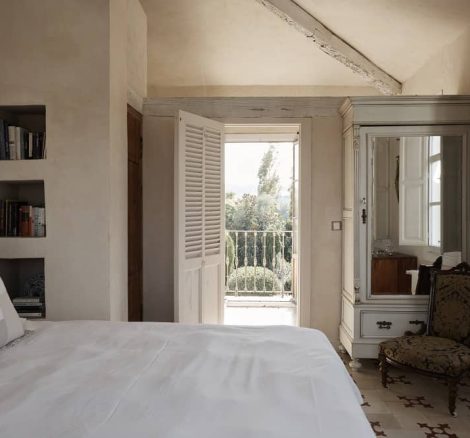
104 379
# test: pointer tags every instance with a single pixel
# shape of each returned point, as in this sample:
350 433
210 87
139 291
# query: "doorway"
261 224
135 242
200 237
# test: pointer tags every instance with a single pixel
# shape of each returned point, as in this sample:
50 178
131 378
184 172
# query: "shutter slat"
213 192
194 186
202 190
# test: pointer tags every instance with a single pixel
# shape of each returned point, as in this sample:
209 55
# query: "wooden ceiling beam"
331 44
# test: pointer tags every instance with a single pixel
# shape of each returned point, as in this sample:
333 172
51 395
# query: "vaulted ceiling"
202 44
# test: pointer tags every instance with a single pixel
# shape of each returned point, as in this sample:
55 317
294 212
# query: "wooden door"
199 206
134 172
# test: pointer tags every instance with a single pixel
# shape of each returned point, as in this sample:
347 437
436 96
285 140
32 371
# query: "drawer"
389 324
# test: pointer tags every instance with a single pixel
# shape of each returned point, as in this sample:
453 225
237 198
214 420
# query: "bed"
112 379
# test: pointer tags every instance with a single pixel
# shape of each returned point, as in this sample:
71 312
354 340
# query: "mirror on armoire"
416 211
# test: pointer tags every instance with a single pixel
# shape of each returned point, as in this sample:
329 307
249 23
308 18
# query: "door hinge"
357 291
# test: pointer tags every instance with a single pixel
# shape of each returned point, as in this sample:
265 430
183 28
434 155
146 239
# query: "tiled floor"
260 315
412 406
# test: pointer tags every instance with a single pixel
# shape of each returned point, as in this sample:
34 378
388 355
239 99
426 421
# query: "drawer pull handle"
416 322
384 324
364 216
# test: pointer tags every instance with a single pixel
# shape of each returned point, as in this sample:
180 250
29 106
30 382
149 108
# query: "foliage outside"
265 211
266 281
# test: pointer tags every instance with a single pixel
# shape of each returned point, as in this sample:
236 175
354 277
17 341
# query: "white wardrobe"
405 203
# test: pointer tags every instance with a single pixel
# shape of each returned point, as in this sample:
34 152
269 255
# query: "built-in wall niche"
22 132
24 280
22 209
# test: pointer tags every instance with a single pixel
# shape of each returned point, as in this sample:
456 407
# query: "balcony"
259 266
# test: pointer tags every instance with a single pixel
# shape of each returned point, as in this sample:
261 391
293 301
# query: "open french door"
199 213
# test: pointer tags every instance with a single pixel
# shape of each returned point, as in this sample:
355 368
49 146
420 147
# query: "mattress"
113 379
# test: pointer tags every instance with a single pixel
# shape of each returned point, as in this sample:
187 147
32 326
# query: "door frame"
136 300
305 205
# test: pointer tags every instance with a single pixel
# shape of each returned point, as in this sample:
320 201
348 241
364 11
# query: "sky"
242 161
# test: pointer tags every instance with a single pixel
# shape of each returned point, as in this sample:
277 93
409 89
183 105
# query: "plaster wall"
136 54
446 72
118 87
62 58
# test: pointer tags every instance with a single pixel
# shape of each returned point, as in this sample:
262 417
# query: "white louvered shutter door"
199 270
413 199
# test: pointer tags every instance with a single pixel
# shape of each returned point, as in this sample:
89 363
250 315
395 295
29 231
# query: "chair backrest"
449 309
423 286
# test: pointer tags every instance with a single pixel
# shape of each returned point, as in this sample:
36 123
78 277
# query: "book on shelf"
18 219
4 147
17 143
24 301
29 307
31 315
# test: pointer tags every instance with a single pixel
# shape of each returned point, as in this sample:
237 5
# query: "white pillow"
11 326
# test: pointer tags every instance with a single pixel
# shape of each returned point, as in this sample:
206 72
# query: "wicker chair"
444 351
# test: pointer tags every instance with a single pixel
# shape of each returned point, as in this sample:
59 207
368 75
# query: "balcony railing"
259 263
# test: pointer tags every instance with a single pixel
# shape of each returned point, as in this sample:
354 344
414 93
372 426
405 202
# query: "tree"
265 211
244 214
230 209
268 178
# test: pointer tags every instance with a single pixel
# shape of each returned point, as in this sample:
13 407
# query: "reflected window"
434 204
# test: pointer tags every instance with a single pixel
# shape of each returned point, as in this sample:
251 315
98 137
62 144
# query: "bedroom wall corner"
446 72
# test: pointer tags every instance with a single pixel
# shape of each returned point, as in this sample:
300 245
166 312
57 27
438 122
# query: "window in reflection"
434 206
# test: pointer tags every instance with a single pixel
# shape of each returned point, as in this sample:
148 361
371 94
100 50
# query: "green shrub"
270 282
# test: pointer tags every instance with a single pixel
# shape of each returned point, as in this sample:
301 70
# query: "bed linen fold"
108 379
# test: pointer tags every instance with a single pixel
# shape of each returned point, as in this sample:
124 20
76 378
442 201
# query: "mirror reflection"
416 209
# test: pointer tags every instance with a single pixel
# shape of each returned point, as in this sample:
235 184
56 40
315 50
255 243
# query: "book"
17 143
2 218
28 306
12 142
30 314
26 300
42 222
29 155
3 140
18 219
24 221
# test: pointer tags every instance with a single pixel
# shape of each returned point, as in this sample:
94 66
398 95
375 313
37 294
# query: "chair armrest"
421 331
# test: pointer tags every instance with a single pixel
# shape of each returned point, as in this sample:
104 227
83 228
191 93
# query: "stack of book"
17 143
29 307
18 219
